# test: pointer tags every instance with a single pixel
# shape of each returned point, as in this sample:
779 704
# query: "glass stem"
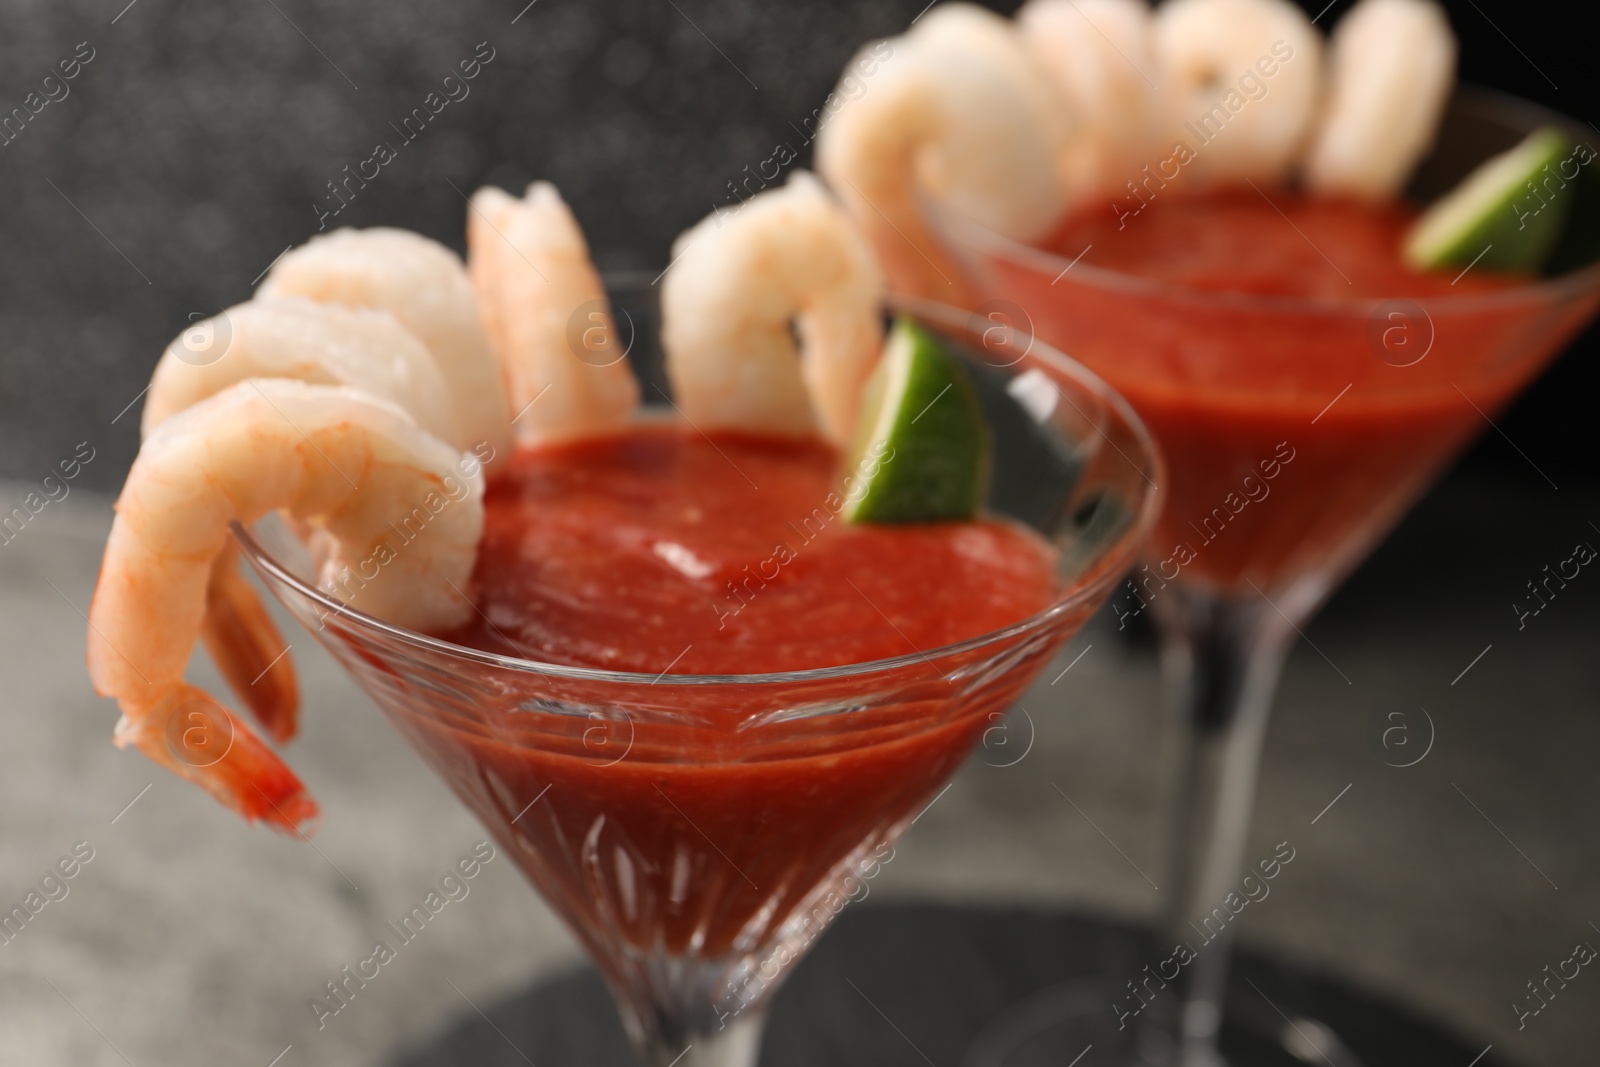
677 1026
737 1045
1221 658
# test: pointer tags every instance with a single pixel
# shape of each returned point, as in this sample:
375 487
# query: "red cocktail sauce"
1303 382
664 550
660 817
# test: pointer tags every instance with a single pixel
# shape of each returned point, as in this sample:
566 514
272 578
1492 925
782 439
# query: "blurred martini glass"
1305 389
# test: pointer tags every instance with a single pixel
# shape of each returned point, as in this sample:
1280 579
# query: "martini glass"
697 833
1355 406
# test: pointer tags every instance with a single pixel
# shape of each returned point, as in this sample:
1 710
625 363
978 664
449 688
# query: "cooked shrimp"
1099 55
333 456
1242 78
423 284
738 282
960 113
1394 62
547 316
288 337
247 649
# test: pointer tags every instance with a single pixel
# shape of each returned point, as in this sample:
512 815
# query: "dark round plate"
968 987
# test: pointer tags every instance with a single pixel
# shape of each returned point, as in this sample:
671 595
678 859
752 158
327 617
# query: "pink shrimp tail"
193 736
248 650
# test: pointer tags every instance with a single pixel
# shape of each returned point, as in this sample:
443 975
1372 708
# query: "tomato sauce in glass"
663 549
663 817
1304 384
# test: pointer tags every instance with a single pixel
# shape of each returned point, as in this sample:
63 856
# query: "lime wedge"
1506 215
921 450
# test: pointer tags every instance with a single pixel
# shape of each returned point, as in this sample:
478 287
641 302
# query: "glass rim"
965 231
1103 574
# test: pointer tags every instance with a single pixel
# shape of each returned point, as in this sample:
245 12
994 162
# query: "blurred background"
199 140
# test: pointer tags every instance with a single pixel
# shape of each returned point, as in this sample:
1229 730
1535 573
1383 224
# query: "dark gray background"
200 135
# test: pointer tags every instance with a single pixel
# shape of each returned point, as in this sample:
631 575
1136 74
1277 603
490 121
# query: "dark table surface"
929 983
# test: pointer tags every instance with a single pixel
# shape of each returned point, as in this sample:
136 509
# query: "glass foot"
1072 1025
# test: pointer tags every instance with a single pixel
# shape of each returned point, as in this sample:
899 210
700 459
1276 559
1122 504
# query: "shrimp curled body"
787 256
1393 66
425 286
1098 53
287 337
330 456
963 114
1216 58
323 344
548 320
